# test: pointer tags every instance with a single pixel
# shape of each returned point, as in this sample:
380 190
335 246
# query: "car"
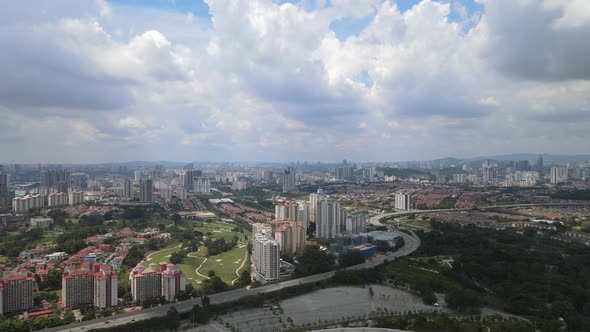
436 304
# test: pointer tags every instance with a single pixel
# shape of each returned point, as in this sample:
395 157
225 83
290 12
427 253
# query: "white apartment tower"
266 254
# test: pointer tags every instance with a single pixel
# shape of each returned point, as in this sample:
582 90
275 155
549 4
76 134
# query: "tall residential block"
90 284
146 187
155 281
127 188
266 254
16 291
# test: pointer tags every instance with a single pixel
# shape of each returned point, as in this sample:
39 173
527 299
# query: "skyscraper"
559 175
288 180
314 199
330 218
146 187
3 191
403 200
540 167
128 188
266 253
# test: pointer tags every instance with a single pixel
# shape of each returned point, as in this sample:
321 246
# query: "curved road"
376 220
412 242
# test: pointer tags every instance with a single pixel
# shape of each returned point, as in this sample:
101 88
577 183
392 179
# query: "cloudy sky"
263 80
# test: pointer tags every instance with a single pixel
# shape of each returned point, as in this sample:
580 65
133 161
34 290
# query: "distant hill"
531 156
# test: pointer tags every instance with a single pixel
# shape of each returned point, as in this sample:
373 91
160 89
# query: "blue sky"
343 28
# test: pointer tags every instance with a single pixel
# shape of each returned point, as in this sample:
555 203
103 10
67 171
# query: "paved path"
411 243
239 268
200 266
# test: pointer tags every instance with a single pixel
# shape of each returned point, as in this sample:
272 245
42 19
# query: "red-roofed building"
156 281
90 284
16 292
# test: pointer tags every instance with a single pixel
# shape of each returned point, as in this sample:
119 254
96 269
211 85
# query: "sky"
86 81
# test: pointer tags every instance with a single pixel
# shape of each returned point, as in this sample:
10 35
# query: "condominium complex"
313 203
90 284
155 281
265 254
403 200
4 181
356 223
201 185
146 187
16 291
24 204
559 175
127 188
330 219
290 236
289 180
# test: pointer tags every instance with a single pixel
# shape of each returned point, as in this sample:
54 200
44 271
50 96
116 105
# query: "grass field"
224 264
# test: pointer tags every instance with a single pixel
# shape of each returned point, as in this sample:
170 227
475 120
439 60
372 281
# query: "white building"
202 185
265 254
75 197
41 222
330 219
403 201
356 223
559 175
239 185
57 199
288 179
24 204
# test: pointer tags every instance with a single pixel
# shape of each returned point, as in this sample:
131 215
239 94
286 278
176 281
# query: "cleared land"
326 306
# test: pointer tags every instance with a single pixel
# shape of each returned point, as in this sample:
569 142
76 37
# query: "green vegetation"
314 261
447 203
526 274
578 195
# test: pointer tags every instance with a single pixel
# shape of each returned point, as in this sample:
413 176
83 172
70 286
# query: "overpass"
411 243
378 219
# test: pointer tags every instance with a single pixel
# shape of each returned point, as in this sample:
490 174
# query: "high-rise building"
127 189
24 204
356 223
288 180
559 175
403 200
163 280
57 199
56 180
75 197
460 178
91 284
146 188
330 219
137 176
522 165
239 185
488 172
343 172
303 214
3 190
290 235
265 254
314 199
202 185
16 291
79 181
539 166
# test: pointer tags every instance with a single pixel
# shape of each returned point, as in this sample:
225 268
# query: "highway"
412 242
377 220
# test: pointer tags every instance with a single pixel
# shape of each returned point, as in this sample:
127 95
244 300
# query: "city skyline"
362 80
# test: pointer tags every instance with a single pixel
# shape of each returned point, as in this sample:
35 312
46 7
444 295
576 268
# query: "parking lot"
327 306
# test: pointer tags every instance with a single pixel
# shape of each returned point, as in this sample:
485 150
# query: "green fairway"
224 264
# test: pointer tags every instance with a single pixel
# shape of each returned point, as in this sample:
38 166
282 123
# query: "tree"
201 315
173 319
245 278
176 218
314 261
351 258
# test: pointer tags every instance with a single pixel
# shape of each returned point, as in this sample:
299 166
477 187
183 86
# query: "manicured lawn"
224 264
